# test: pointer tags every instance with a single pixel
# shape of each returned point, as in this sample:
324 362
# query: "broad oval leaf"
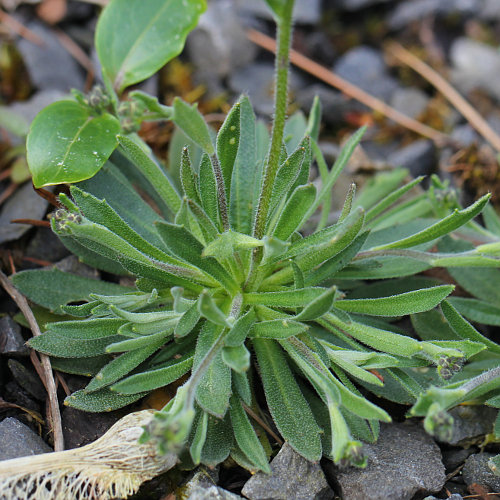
134 39
67 144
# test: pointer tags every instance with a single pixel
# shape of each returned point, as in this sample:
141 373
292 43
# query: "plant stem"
284 35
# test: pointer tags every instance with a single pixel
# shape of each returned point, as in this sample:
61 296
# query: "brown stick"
23 305
350 89
13 24
463 106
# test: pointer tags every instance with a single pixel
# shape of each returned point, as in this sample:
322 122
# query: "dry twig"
19 29
48 378
350 89
463 106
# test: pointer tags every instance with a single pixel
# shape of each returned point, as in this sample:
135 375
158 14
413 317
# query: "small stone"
357 4
471 423
72 264
455 457
410 101
211 493
365 67
27 379
202 477
465 135
45 245
476 470
23 204
12 342
455 496
404 461
419 157
475 65
81 428
50 66
18 440
292 478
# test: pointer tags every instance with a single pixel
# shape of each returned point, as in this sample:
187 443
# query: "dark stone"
27 379
416 10
50 66
419 157
11 340
365 67
81 428
292 478
476 470
456 457
455 496
304 11
45 245
352 5
404 461
18 440
14 393
23 204
471 423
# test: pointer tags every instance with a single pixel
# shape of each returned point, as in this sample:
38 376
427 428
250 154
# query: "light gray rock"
475 65
365 67
292 478
490 11
201 478
419 157
72 264
404 461
215 52
465 135
476 470
471 423
18 440
23 204
304 11
11 340
211 493
455 496
50 65
357 4
415 10
410 101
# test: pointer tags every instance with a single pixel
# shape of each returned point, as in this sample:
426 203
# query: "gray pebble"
18 440
12 342
476 470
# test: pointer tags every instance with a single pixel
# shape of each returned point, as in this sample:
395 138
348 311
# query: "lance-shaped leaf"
123 364
100 401
95 328
188 321
453 221
464 329
477 310
152 171
292 216
153 379
137 343
208 189
185 246
240 329
237 358
191 122
214 389
277 329
135 39
287 298
189 177
245 436
209 309
218 442
398 305
319 306
228 141
291 413
67 143
199 438
229 242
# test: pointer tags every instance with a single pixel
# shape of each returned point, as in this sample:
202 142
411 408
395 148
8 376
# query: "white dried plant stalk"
112 467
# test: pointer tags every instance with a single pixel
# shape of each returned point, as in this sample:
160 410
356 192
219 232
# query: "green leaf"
51 288
87 367
209 309
239 331
398 305
242 386
188 321
228 141
287 298
229 242
124 364
100 401
464 329
289 409
214 389
191 122
135 39
319 306
189 177
292 216
237 358
67 144
453 221
95 328
246 437
208 189
277 329
137 343
477 310
59 345
245 174
218 442
199 438
153 379
152 171
314 121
